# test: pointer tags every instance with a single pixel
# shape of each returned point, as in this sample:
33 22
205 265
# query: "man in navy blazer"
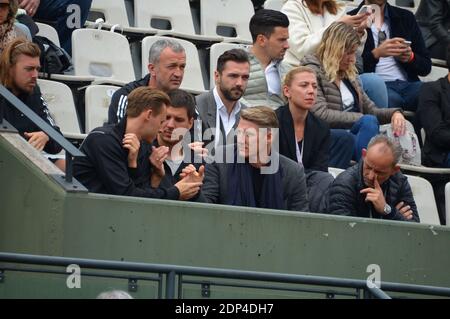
396 51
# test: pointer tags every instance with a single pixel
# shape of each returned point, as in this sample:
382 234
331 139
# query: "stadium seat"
49 32
425 201
193 79
98 98
62 107
176 13
216 50
227 13
435 74
447 203
102 54
273 4
115 11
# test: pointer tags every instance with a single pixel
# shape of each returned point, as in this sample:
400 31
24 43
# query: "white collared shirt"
387 68
273 79
228 121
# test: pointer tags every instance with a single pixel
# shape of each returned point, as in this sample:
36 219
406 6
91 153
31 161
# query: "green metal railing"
171 276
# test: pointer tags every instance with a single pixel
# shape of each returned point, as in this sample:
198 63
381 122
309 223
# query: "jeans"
363 130
375 89
448 161
341 148
403 94
56 11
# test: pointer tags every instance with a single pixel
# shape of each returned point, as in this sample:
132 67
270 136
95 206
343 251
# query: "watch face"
387 209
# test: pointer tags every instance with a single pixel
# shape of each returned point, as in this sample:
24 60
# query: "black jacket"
433 17
316 140
119 100
434 114
402 24
344 197
37 104
105 167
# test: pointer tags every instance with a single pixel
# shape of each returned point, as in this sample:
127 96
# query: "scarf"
241 187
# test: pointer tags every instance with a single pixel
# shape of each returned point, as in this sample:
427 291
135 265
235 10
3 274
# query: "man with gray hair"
167 60
375 188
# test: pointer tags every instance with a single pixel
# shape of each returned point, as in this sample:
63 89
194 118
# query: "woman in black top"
303 137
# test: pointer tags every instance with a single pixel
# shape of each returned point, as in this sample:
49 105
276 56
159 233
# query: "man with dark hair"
19 68
119 160
270 34
434 114
375 188
396 51
220 107
251 173
166 63
174 139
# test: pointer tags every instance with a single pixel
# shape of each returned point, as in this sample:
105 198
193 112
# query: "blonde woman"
340 100
8 30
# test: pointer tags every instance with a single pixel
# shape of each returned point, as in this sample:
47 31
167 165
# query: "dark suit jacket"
316 140
402 24
207 113
434 114
433 17
215 190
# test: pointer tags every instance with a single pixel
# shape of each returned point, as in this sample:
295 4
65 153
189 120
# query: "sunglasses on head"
381 37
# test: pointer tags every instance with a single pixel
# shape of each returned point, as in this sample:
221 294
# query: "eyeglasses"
381 37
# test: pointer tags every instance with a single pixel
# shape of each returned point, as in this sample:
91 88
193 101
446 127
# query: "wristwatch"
387 209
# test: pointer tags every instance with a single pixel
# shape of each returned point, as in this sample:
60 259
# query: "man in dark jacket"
251 173
167 59
174 139
433 17
397 53
434 113
375 188
119 160
19 67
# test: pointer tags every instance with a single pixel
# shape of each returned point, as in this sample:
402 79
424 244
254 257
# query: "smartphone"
407 42
364 9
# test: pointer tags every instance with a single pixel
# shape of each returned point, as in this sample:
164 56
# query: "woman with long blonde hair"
340 100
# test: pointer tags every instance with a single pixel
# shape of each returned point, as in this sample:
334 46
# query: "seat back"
115 12
447 204
273 4
193 79
49 32
61 105
425 201
436 73
216 51
102 54
177 12
98 98
226 13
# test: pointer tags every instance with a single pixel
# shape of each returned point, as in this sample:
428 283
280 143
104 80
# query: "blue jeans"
448 162
375 89
341 148
403 94
56 10
363 130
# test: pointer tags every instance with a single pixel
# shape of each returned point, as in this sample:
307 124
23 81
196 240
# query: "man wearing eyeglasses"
396 51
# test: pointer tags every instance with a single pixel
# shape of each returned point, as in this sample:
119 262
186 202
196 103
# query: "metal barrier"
168 274
71 151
